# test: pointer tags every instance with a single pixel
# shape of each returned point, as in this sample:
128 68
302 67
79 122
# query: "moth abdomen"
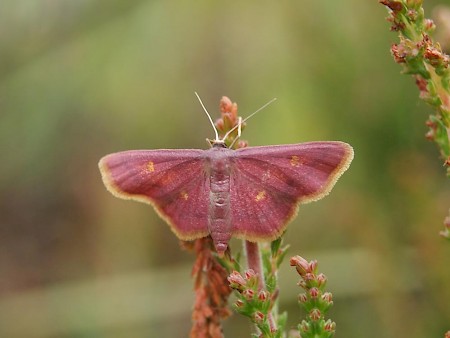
219 218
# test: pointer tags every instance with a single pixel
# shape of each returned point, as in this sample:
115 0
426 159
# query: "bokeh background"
80 79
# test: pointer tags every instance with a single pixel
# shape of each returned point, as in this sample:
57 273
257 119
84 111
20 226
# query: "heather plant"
424 59
195 191
254 282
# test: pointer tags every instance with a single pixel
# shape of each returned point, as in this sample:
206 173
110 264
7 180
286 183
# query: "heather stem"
254 262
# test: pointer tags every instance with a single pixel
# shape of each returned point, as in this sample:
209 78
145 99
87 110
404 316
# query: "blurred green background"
80 79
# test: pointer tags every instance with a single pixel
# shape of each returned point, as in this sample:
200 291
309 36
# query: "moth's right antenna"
240 122
209 117
239 133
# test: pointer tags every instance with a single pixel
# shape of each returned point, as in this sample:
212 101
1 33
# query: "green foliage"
260 305
422 57
315 301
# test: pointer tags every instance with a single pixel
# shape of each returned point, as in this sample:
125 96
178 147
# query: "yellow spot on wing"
184 195
261 195
150 167
295 161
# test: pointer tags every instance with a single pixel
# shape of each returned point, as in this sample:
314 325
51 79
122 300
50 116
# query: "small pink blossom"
262 295
236 280
327 297
258 316
315 314
314 292
330 326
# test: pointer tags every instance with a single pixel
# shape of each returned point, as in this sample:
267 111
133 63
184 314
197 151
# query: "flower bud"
398 52
236 280
242 144
412 14
302 298
300 264
329 326
302 284
249 274
248 294
228 120
239 303
314 293
327 297
219 124
258 316
429 25
309 276
225 104
422 85
430 135
321 280
313 266
262 295
304 326
315 314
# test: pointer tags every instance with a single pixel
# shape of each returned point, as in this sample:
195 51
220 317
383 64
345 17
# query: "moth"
250 193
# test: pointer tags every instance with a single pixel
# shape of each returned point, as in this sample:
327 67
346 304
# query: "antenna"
242 121
239 133
209 117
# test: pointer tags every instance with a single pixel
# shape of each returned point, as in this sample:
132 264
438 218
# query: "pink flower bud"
302 284
236 280
249 274
447 219
314 292
304 326
242 144
225 105
219 124
258 316
329 326
430 135
412 14
429 25
315 314
398 53
262 295
248 294
234 110
327 297
239 303
313 266
300 264
229 120
302 298
309 276
321 280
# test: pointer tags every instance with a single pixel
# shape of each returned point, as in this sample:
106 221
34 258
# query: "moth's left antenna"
209 116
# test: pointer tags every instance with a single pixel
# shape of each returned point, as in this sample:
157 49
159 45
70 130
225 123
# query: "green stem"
254 262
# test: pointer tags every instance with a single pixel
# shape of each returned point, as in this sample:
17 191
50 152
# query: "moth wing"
269 182
172 181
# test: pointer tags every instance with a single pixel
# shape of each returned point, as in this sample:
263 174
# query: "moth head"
216 143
